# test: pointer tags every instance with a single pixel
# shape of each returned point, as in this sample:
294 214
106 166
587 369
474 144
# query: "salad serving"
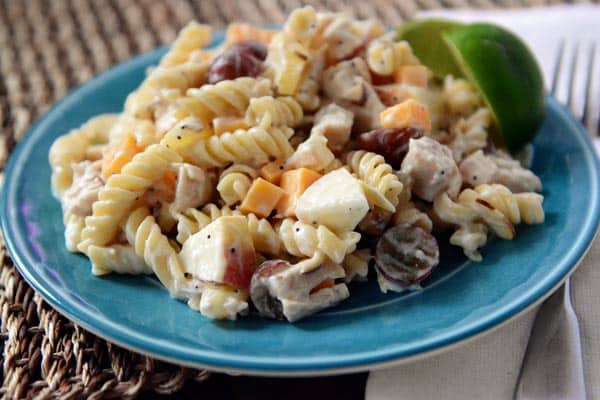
265 175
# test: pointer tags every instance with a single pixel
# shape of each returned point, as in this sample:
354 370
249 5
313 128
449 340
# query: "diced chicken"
335 200
87 182
349 84
284 291
479 168
343 40
313 153
432 169
222 252
194 188
335 123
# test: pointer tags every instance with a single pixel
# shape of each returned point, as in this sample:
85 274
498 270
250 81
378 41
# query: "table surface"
48 47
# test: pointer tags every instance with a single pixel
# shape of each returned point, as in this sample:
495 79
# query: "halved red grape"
242 59
406 254
391 143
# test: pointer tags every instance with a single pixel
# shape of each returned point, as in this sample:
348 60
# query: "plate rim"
261 366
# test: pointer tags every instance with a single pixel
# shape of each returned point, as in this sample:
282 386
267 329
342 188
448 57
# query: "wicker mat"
46 48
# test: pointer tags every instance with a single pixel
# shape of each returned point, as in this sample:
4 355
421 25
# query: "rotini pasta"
121 191
267 110
254 146
192 37
300 239
72 148
118 258
492 207
144 234
374 171
226 98
234 183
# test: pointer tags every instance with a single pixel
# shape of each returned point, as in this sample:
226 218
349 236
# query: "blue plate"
461 300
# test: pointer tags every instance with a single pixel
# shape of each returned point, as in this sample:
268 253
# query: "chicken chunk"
432 168
283 291
194 188
335 123
348 83
479 168
87 182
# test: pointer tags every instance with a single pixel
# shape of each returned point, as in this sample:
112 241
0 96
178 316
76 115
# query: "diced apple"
336 200
222 252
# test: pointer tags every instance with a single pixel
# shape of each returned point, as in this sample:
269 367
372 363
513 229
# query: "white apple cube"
222 252
335 200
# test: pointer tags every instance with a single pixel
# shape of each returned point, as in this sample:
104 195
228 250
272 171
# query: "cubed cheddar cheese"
262 198
416 75
294 183
238 32
409 113
116 157
273 171
228 124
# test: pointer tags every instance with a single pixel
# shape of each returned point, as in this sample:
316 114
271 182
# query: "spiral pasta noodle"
74 225
235 182
289 54
226 98
304 240
193 36
121 191
144 234
73 147
118 258
492 207
373 170
255 146
268 110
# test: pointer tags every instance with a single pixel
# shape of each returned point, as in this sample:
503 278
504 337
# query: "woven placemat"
46 48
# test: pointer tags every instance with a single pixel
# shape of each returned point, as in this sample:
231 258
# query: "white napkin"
488 367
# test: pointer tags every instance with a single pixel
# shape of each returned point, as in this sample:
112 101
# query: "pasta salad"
265 175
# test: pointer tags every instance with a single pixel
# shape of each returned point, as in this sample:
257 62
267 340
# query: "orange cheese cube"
416 75
409 113
262 198
238 32
228 124
116 157
273 171
294 183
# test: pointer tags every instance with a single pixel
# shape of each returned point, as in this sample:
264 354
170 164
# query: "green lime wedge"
497 62
507 75
425 38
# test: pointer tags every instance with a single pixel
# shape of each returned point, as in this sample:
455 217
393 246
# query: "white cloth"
488 367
